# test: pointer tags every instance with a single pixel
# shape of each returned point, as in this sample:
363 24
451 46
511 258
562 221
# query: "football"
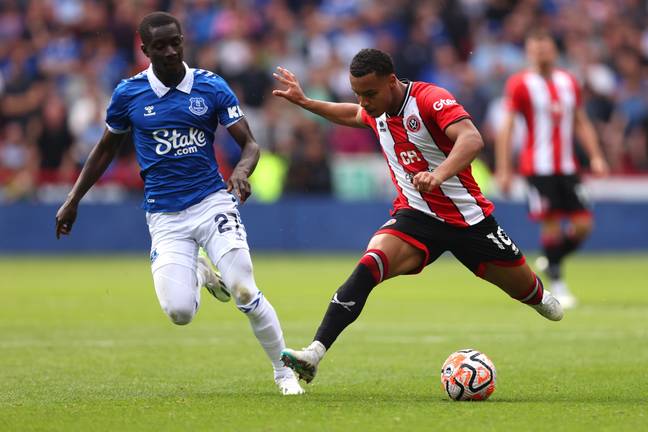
468 375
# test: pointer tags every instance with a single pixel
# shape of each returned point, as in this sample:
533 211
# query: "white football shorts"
214 223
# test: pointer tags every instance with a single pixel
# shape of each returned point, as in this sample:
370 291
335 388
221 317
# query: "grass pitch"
85 346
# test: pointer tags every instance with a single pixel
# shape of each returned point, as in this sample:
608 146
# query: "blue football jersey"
173 133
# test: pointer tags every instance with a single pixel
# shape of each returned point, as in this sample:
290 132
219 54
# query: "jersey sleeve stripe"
456 121
117 131
233 122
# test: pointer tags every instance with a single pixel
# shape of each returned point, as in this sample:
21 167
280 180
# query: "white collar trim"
160 89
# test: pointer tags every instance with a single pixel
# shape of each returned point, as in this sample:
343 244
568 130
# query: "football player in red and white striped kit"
428 141
549 99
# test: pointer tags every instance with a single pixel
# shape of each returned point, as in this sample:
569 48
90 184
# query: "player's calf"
350 298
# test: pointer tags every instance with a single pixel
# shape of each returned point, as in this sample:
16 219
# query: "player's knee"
375 260
180 315
242 293
240 282
582 229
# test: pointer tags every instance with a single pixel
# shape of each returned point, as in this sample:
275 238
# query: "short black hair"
153 20
370 60
539 32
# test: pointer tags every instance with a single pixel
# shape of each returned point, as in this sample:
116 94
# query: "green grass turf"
85 346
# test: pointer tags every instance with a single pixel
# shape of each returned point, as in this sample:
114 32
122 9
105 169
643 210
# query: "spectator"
17 168
54 141
309 170
81 49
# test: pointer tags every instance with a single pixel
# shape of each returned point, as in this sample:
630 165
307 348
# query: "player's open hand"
239 184
504 180
65 217
293 92
426 181
599 167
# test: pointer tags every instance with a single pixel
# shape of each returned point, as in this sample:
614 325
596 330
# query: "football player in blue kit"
172 111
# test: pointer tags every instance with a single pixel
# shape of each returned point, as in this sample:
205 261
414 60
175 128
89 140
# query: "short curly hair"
153 20
370 60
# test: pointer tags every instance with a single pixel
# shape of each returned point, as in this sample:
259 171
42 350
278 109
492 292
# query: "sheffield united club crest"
413 123
197 105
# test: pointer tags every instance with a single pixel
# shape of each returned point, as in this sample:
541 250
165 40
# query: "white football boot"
562 293
304 362
549 307
213 281
288 383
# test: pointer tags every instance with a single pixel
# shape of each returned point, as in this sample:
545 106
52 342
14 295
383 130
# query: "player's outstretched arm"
503 162
587 134
467 145
238 181
100 157
347 114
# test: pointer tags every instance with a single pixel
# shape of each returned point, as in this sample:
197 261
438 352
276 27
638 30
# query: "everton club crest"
197 105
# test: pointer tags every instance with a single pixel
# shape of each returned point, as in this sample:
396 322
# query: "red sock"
534 295
376 261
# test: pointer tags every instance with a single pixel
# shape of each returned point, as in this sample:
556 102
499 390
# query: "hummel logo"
149 110
345 305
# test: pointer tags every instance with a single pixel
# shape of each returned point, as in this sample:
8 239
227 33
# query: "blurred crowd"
61 59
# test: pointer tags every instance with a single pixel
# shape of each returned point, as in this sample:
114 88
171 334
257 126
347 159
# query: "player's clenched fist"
426 181
294 92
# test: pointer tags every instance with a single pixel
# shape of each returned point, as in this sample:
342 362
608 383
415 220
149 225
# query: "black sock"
569 244
555 254
346 305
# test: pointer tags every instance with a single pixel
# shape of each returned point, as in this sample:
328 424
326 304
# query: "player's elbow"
479 143
475 141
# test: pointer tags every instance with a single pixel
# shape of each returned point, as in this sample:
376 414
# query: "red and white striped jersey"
414 141
549 107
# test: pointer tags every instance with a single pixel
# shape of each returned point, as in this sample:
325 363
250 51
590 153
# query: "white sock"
266 328
318 347
236 271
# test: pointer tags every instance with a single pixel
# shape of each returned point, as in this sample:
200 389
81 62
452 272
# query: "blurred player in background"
549 99
428 141
172 112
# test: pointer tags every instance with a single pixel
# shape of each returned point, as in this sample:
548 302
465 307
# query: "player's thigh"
220 228
403 258
177 290
171 239
544 197
413 240
485 245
